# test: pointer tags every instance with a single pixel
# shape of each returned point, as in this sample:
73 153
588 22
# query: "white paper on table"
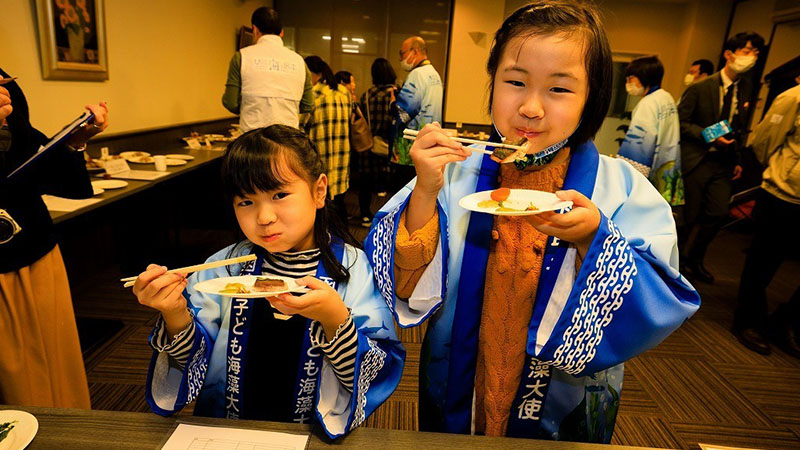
196 437
146 175
54 203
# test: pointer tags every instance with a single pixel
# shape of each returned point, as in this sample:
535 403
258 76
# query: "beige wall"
474 25
168 62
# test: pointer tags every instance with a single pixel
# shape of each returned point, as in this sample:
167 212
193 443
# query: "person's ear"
321 191
281 35
727 54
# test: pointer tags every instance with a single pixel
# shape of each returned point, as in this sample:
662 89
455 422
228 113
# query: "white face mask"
633 89
405 65
688 79
742 63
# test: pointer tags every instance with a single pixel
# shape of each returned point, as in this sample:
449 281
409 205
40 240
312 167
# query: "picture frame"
72 39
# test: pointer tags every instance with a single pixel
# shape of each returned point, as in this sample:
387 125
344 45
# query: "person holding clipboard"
42 363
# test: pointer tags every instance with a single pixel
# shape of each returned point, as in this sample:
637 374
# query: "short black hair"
257 161
648 69
706 66
382 72
318 66
266 20
343 77
740 40
546 17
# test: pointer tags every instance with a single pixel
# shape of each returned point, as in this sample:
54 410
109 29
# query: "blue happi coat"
626 298
211 379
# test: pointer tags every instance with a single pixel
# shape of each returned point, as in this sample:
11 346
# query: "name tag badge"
719 129
776 119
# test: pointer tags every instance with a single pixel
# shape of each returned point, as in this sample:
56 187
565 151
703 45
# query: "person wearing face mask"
699 70
419 102
710 167
652 143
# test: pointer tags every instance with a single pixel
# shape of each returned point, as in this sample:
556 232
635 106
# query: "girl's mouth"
528 134
271 237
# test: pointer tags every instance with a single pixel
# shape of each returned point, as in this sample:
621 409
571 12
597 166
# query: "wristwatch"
8 227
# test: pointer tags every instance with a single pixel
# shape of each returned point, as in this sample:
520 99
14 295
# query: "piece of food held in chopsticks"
504 155
501 153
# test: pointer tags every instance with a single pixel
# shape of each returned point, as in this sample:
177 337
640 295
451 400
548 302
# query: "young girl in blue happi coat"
531 318
336 358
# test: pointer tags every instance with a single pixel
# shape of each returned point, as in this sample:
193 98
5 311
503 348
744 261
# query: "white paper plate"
23 432
109 184
176 162
215 285
127 155
97 190
180 156
519 199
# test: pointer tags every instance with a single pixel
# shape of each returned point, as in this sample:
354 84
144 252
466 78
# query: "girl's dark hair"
382 72
253 162
648 69
343 77
320 67
545 17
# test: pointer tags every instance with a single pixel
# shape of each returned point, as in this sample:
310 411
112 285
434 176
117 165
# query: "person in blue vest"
329 356
530 318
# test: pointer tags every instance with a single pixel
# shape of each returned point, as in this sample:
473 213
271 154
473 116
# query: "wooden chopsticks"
129 281
410 134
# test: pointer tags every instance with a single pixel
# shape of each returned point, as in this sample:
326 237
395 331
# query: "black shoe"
752 339
698 272
786 339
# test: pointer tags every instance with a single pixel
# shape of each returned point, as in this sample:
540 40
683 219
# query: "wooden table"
68 429
201 158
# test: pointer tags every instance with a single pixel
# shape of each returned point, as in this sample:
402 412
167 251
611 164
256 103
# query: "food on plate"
500 195
141 159
6 428
134 154
499 201
234 288
92 163
267 284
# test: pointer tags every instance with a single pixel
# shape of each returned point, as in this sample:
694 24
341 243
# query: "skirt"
42 363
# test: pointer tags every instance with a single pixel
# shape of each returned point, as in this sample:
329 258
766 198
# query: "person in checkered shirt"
374 169
329 129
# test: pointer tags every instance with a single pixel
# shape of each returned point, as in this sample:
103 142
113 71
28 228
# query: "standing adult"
329 129
709 168
776 144
42 363
267 83
652 143
376 103
699 70
419 102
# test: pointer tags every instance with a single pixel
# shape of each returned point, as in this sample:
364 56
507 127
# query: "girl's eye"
560 90
243 203
280 195
515 83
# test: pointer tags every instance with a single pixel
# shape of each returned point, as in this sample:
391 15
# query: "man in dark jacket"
709 168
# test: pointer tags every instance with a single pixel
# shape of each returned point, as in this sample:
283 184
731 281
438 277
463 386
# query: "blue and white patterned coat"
626 297
379 361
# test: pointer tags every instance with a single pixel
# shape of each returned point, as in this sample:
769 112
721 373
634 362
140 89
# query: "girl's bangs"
266 168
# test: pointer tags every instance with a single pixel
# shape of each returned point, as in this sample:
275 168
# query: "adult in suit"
709 168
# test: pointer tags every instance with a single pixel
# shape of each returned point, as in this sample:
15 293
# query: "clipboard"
57 139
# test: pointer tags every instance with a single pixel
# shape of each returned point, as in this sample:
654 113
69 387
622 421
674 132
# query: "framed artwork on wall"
72 39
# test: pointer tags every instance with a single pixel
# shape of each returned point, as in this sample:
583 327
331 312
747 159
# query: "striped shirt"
340 350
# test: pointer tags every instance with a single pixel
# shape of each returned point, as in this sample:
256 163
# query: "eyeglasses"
404 53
